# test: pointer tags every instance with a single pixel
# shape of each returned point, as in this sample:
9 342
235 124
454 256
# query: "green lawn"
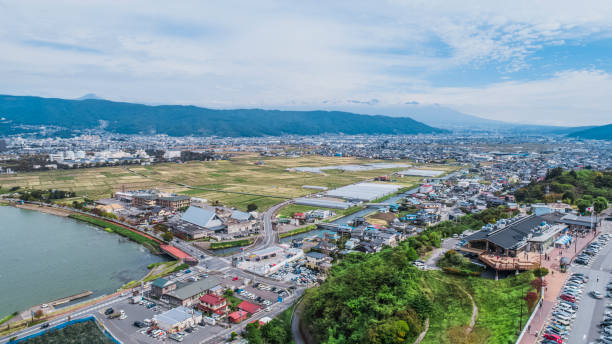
499 305
451 308
226 244
298 231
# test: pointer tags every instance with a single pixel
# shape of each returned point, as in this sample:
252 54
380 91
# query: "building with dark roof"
188 294
521 234
161 286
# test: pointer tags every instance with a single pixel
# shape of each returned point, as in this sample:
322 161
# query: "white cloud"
273 54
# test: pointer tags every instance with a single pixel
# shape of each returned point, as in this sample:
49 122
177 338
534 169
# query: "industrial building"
420 173
177 319
323 203
364 191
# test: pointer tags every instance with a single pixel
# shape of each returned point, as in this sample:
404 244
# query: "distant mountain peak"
89 96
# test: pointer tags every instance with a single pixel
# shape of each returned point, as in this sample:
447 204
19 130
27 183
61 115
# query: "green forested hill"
569 186
175 120
603 132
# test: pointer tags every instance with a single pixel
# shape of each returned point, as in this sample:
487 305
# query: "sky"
539 62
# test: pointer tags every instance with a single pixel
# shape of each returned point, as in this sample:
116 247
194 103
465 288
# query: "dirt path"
44 209
422 335
474 313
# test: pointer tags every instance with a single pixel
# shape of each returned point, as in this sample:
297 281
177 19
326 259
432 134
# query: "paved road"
590 313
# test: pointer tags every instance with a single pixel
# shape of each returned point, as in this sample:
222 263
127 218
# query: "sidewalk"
555 280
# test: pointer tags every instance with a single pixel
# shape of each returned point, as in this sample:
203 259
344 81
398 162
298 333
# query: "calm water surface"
46 257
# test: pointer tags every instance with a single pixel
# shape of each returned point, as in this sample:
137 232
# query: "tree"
253 333
555 172
582 204
251 207
540 272
600 204
38 314
538 283
234 335
167 236
569 195
531 299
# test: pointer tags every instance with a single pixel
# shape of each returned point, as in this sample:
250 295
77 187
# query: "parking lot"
126 332
296 272
591 310
582 300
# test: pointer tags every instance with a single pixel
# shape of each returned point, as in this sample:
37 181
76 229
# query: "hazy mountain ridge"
179 120
603 132
447 118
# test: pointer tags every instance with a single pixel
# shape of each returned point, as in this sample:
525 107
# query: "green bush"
117 229
226 244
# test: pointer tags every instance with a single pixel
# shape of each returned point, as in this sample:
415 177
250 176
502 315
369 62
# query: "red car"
553 337
568 298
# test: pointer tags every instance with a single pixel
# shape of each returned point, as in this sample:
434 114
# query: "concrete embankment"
70 298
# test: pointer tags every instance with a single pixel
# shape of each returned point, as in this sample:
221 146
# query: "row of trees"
44 195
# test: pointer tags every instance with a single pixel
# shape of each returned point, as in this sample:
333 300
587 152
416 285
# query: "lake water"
46 257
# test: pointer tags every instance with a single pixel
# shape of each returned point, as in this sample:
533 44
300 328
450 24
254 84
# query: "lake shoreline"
46 240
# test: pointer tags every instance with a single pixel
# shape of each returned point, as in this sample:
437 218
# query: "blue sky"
544 62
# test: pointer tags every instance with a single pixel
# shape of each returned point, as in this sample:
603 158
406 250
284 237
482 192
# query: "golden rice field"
241 174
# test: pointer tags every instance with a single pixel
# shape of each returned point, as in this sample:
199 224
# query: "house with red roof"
213 303
249 307
299 216
237 316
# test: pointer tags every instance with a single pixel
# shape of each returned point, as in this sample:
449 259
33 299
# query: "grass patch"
297 231
226 244
154 265
499 305
181 267
451 308
149 243
169 267
234 301
8 317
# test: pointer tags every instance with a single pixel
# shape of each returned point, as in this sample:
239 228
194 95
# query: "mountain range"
19 113
447 118
177 120
603 132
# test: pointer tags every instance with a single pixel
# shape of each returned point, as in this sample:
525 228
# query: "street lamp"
521 318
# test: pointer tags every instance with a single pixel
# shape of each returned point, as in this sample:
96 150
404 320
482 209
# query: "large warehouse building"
364 191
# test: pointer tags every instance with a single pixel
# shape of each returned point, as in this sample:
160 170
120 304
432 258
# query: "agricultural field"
265 184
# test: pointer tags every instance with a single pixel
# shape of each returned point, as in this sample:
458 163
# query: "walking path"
468 330
554 280
422 335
